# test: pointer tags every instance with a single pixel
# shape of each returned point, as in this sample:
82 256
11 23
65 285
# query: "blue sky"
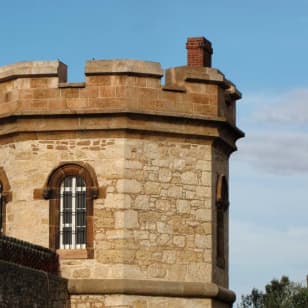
261 46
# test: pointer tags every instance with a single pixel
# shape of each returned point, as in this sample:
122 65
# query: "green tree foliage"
281 293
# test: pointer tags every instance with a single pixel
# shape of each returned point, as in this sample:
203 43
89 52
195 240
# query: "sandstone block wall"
156 219
130 301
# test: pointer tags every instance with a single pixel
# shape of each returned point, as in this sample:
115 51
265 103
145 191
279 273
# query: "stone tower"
126 178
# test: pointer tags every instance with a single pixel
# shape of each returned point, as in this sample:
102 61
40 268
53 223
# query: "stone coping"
34 68
125 66
150 288
199 127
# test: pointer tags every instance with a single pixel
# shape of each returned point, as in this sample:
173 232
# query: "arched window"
5 197
222 204
1 209
71 188
73 213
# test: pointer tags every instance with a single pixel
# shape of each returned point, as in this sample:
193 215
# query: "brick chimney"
199 52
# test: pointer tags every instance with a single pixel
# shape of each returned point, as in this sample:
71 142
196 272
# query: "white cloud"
275 152
277 133
290 107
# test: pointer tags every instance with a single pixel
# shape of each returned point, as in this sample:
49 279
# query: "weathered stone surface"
128 186
142 202
179 241
35 68
152 188
203 214
165 175
189 177
136 67
126 219
131 301
117 201
183 206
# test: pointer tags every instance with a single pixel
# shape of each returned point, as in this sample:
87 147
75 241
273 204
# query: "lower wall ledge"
150 288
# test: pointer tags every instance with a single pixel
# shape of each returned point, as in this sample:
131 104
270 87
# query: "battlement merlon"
124 67
34 69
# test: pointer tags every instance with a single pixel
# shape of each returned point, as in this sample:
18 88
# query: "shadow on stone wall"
28 276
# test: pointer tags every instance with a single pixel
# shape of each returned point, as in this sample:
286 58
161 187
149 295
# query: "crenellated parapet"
116 94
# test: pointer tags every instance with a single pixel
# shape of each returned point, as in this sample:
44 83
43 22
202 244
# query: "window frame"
2 218
6 196
51 192
222 205
73 213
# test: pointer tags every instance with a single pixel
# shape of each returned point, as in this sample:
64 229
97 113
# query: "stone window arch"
222 205
5 197
71 188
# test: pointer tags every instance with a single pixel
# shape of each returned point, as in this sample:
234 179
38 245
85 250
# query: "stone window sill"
75 253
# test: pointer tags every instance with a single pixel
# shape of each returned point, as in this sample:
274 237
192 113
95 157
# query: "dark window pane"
68 181
80 182
80 218
67 200
67 216
67 236
220 233
80 235
73 211
80 199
